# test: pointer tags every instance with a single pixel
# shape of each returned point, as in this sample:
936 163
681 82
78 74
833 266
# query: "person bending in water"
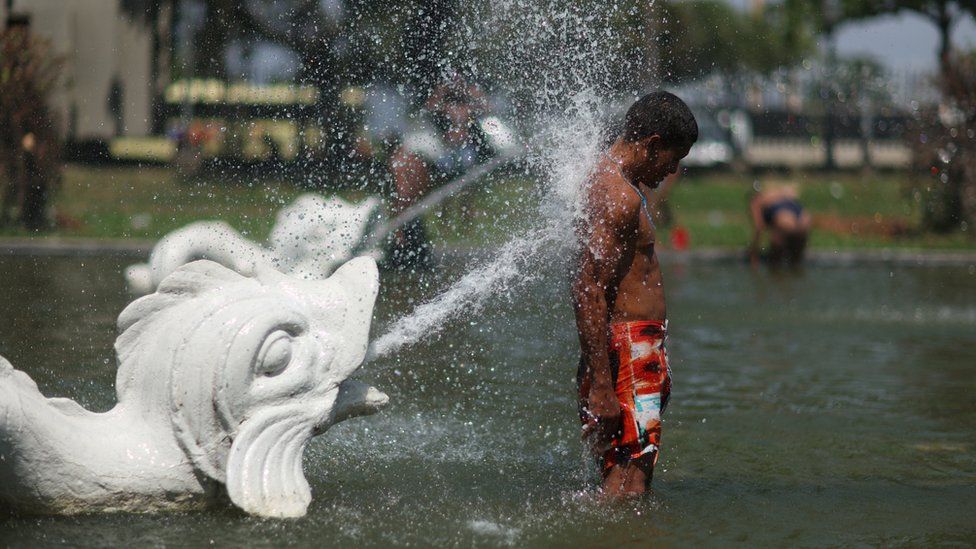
618 295
777 211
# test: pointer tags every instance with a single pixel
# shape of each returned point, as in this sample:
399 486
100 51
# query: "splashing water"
568 106
515 265
469 294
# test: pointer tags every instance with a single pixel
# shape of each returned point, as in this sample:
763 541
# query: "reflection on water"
830 406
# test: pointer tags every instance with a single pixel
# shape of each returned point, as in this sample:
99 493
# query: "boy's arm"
410 178
612 229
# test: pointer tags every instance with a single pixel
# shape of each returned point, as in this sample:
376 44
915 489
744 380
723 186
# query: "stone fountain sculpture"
311 237
222 381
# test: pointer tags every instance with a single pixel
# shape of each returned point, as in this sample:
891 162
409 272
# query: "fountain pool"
830 406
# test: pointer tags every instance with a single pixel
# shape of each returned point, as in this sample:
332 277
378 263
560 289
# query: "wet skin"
618 280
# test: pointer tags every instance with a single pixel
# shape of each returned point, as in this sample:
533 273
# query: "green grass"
488 214
850 210
149 202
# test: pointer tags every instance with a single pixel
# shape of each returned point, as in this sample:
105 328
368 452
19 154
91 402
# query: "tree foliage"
945 146
701 37
945 150
350 42
944 14
934 10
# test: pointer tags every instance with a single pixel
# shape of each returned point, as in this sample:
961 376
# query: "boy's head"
662 130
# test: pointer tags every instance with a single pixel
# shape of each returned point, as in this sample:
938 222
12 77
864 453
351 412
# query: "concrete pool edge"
49 246
929 258
835 258
73 246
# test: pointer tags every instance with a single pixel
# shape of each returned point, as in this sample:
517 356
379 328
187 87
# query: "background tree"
160 17
703 37
29 145
945 150
426 32
859 86
944 14
336 42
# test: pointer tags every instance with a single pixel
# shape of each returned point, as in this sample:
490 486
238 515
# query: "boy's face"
657 161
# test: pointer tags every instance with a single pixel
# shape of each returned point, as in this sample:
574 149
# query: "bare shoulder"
611 199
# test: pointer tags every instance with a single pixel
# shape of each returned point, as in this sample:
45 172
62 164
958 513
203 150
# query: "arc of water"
434 198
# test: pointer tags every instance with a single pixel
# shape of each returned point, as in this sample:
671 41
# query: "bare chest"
646 235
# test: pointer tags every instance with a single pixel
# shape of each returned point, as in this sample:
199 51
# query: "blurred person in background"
777 212
446 149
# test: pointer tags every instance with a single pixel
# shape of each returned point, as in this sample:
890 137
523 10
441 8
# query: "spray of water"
568 61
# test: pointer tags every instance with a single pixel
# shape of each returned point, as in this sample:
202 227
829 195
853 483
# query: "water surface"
829 406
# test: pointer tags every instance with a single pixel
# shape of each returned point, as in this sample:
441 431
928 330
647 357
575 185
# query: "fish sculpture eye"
275 354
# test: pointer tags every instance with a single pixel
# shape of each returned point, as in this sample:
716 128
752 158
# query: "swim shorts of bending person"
618 294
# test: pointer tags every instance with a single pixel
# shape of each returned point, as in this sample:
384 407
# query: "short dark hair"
664 114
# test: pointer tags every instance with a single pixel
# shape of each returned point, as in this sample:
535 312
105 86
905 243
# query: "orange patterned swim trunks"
643 385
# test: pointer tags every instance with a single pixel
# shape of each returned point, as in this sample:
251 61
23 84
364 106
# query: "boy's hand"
604 423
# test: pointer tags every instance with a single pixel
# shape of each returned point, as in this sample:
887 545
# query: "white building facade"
107 88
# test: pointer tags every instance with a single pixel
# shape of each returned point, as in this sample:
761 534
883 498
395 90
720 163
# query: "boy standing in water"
624 379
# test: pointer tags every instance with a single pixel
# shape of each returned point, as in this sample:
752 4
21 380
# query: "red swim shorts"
643 386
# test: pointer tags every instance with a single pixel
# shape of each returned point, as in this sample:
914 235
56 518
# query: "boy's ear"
653 143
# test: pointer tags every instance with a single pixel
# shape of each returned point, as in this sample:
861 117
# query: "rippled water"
830 406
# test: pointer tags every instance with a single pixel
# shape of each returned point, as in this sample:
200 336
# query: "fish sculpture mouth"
264 471
264 468
356 399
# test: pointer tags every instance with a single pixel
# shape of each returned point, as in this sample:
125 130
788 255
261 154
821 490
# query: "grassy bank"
147 203
850 211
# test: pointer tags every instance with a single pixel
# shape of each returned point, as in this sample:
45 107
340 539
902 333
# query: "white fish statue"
311 237
222 381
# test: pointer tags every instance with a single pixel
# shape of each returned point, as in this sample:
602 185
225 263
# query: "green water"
833 406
